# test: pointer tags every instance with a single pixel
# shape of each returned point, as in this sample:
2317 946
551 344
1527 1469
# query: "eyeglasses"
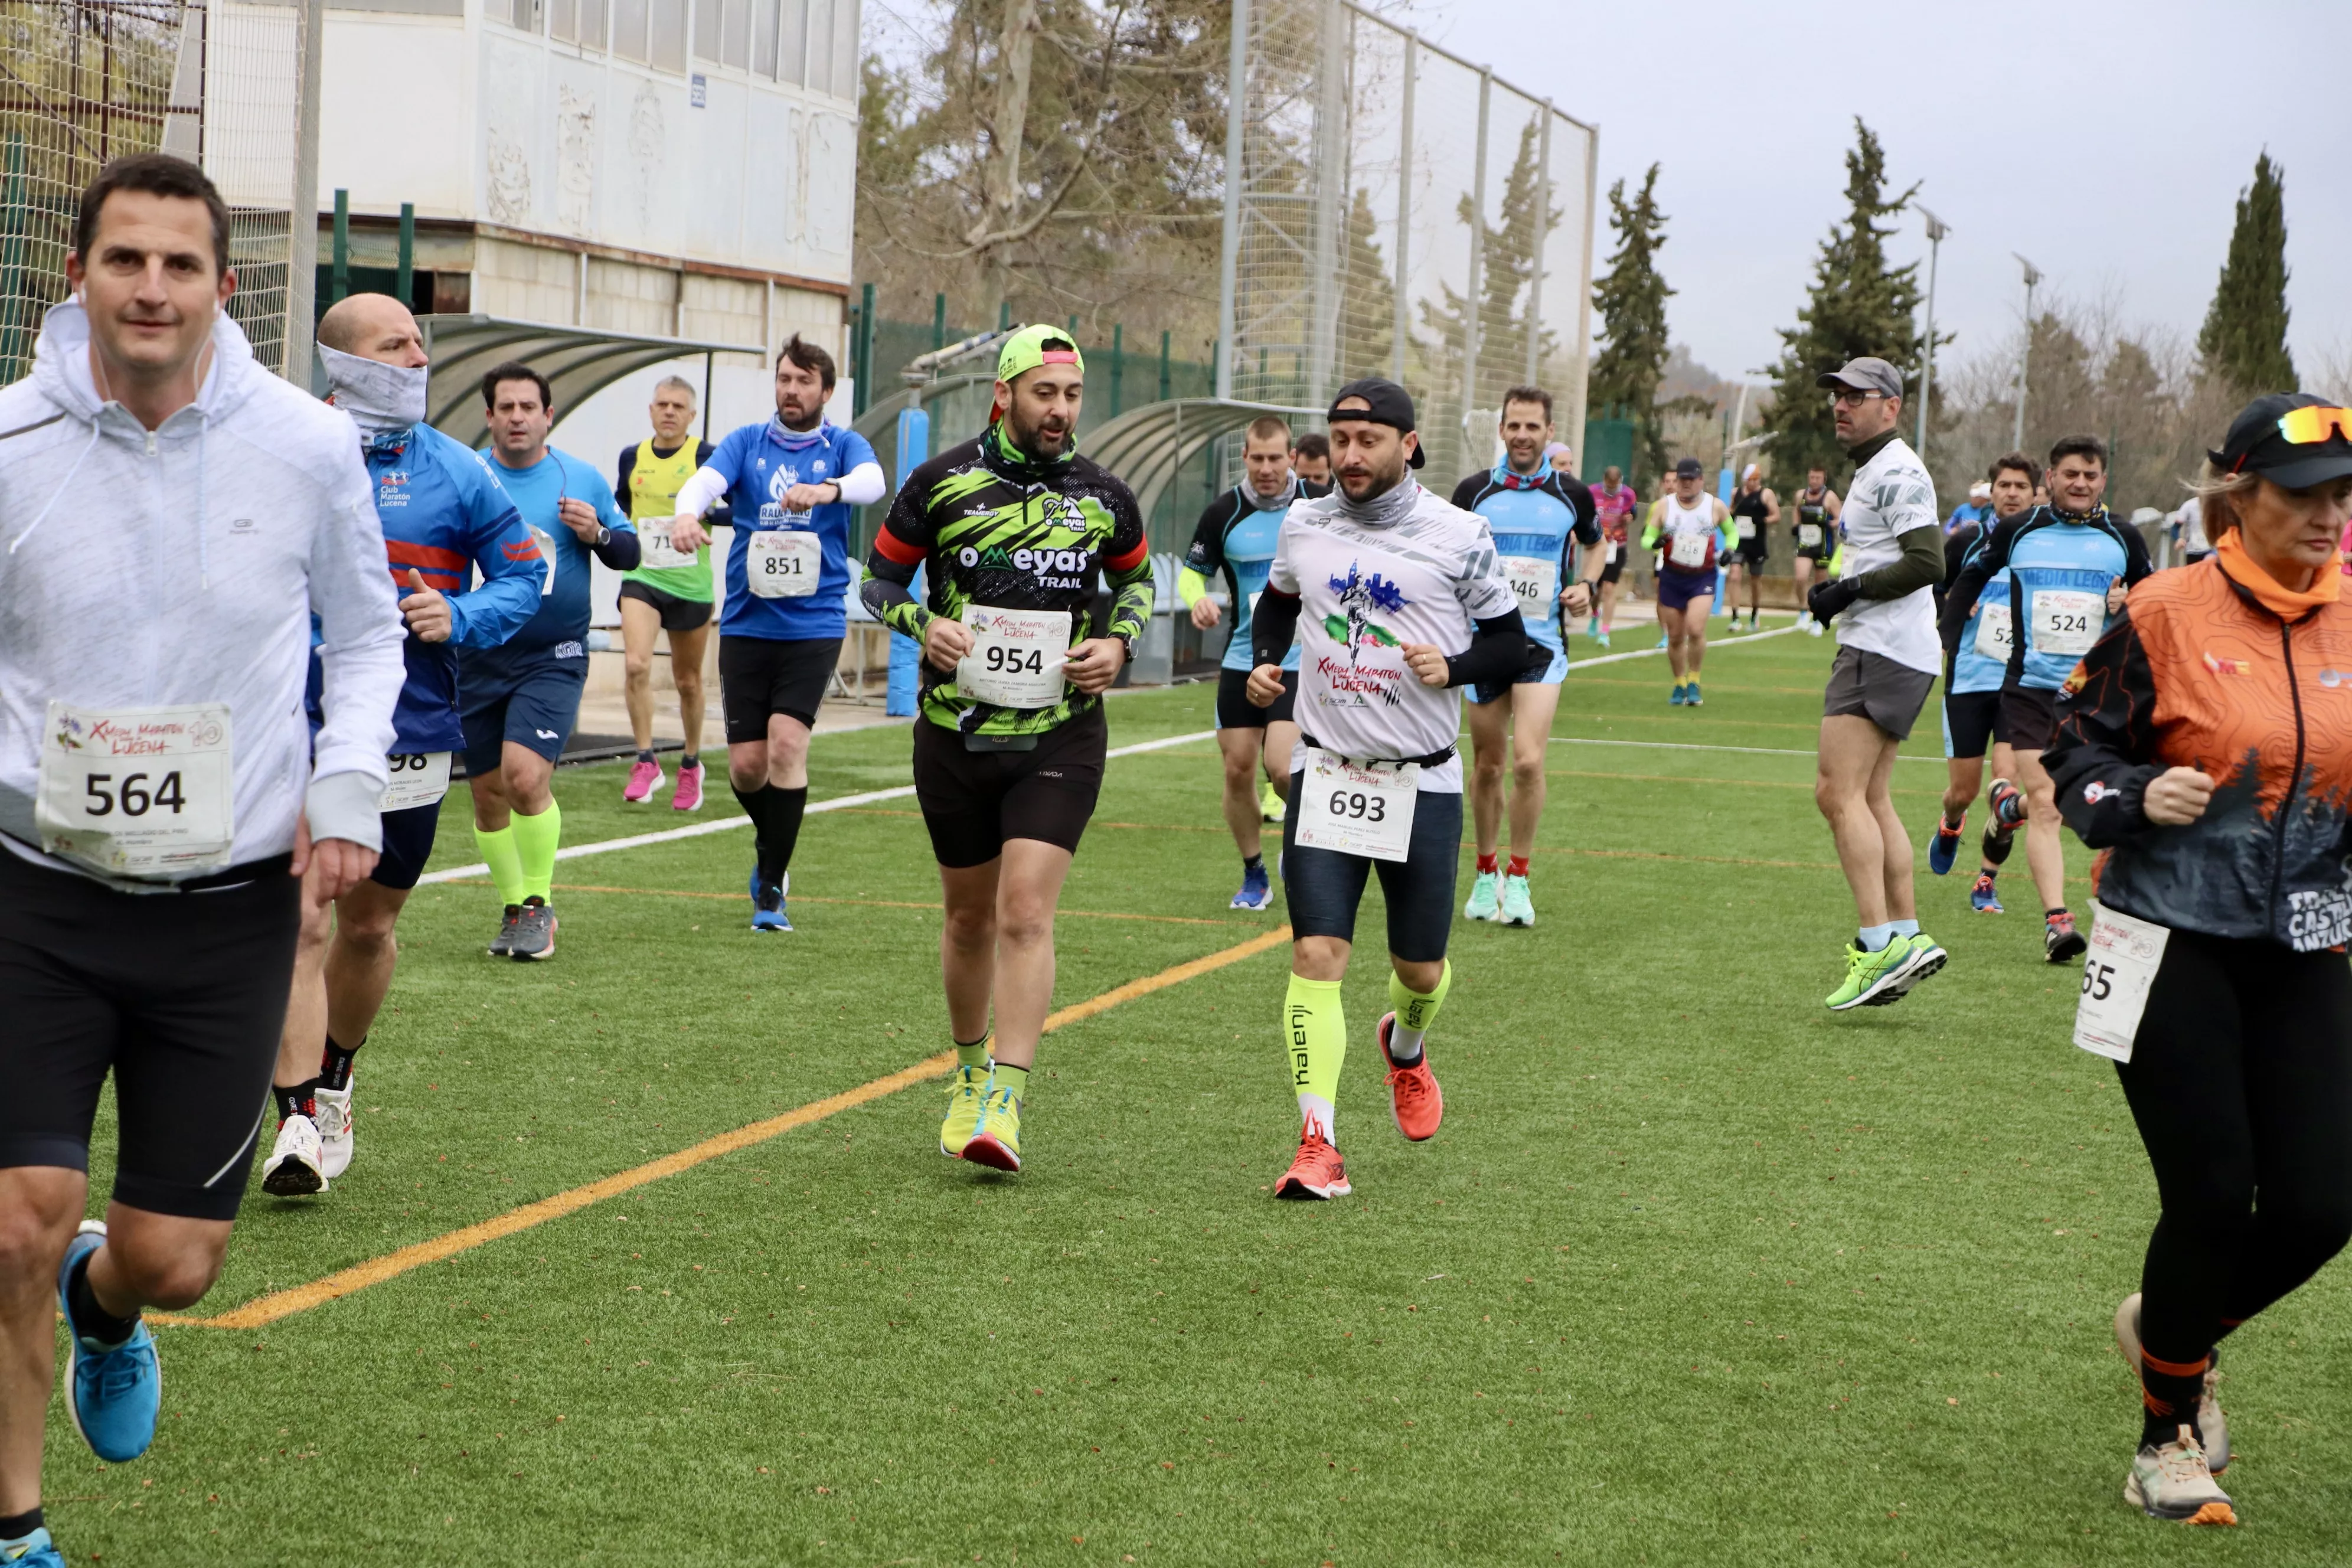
2311 427
1844 399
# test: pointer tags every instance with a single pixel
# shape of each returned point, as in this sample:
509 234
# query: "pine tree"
1367 297
2244 343
1631 297
1858 305
1508 262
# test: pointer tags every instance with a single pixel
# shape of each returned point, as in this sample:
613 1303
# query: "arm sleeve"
1206 553
1579 496
507 556
1650 526
360 657
623 550
1190 587
863 485
2137 564
627 466
1921 566
1727 531
1127 569
1273 625
2106 730
1497 651
900 547
720 514
698 494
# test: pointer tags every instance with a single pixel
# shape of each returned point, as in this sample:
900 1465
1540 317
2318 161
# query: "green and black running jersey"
997 529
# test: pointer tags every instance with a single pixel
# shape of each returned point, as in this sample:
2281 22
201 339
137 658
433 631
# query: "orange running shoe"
1316 1173
1414 1098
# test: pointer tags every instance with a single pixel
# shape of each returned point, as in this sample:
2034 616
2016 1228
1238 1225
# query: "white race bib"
2067 621
1017 657
783 565
1535 583
1356 808
653 539
138 792
1744 526
418 778
1613 547
1689 549
1995 633
1809 536
2116 973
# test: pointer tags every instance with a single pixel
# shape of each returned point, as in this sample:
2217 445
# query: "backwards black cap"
1385 403
2255 445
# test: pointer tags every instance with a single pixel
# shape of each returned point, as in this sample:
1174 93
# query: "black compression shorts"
1615 569
1236 711
180 996
762 676
1323 886
1969 721
973 801
407 845
678 614
2029 718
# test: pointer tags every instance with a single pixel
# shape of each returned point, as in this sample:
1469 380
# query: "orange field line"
280 1304
864 903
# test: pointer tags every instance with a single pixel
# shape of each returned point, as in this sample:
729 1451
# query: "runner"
1614 501
1755 512
164 809
1887 659
2069 566
1690 532
1012 530
1311 460
1400 600
517 701
1236 538
440 508
1974 671
1536 513
670 591
1817 515
2204 748
798 475
1974 512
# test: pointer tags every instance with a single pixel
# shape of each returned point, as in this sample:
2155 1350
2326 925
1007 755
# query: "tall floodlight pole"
1403 325
1470 304
1229 262
1935 232
2025 354
1536 262
302 207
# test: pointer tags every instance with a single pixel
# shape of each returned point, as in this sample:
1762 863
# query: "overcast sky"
2106 140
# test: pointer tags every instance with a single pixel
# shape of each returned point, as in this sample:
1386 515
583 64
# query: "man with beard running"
1012 530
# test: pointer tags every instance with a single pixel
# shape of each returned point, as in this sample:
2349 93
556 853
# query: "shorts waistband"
1430 760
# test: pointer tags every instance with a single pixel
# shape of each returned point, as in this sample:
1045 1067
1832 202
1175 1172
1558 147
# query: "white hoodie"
142 570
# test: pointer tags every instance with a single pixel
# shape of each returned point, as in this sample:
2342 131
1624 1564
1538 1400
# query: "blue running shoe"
1945 848
1677 699
36 1551
1982 898
768 904
113 1395
1692 699
1257 889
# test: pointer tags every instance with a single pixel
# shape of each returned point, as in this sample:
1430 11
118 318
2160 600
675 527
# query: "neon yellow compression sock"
974 1055
504 859
1013 1078
1414 1014
536 838
1315 1032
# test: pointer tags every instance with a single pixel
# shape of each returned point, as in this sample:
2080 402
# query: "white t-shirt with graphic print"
1365 590
1887 497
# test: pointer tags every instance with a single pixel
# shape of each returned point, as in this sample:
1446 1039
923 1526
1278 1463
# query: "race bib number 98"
138 792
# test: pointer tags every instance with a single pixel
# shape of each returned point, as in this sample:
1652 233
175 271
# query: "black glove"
1828 599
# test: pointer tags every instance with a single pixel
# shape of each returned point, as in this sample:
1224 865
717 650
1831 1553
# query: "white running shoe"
334 1119
2172 1482
296 1164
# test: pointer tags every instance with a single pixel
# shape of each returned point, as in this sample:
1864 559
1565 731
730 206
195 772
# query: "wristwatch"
604 536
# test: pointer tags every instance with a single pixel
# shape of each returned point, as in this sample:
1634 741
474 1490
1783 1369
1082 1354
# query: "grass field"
1696 1272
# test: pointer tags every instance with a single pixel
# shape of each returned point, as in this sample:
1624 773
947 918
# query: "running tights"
2240 1081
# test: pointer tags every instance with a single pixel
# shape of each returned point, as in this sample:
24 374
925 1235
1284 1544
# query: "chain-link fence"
1401 212
83 82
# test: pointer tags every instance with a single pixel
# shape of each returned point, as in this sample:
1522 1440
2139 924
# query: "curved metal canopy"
1148 446
578 362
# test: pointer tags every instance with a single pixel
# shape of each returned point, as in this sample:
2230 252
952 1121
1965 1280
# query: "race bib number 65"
2117 971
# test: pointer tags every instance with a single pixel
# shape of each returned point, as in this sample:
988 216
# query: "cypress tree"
2244 342
1858 305
1630 299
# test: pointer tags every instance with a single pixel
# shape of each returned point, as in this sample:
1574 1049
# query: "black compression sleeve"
622 551
1921 566
1497 651
1272 626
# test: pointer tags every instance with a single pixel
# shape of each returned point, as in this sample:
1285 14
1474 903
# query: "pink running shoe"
689 788
644 779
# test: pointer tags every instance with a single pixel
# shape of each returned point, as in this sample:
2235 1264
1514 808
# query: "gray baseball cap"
1864 374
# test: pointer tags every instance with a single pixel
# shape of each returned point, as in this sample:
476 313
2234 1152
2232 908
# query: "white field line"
837 803
1712 645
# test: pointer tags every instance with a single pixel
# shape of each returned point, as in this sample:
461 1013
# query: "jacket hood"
61 367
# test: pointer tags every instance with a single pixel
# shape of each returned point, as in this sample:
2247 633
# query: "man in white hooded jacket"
171 517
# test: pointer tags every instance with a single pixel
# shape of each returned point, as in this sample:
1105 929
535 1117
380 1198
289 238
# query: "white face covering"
379 398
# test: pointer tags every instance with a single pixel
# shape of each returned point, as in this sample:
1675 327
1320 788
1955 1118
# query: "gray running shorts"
1875 687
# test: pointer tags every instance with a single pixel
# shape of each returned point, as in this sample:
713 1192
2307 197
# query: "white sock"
1314 1111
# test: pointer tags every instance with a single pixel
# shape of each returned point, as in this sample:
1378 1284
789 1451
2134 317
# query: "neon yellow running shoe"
1869 976
966 1092
1269 804
996 1142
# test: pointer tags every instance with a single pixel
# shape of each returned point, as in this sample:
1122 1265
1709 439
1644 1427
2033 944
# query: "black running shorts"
677 613
1969 720
759 676
1236 711
1323 886
180 996
973 801
1615 569
2029 718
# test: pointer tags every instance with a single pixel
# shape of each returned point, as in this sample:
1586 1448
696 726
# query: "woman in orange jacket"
2205 745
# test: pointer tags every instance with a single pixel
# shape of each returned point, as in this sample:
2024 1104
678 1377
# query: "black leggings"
2240 1080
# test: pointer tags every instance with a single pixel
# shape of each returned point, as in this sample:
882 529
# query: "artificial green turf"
1696 1272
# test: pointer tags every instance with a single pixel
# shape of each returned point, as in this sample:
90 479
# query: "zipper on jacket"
2295 776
